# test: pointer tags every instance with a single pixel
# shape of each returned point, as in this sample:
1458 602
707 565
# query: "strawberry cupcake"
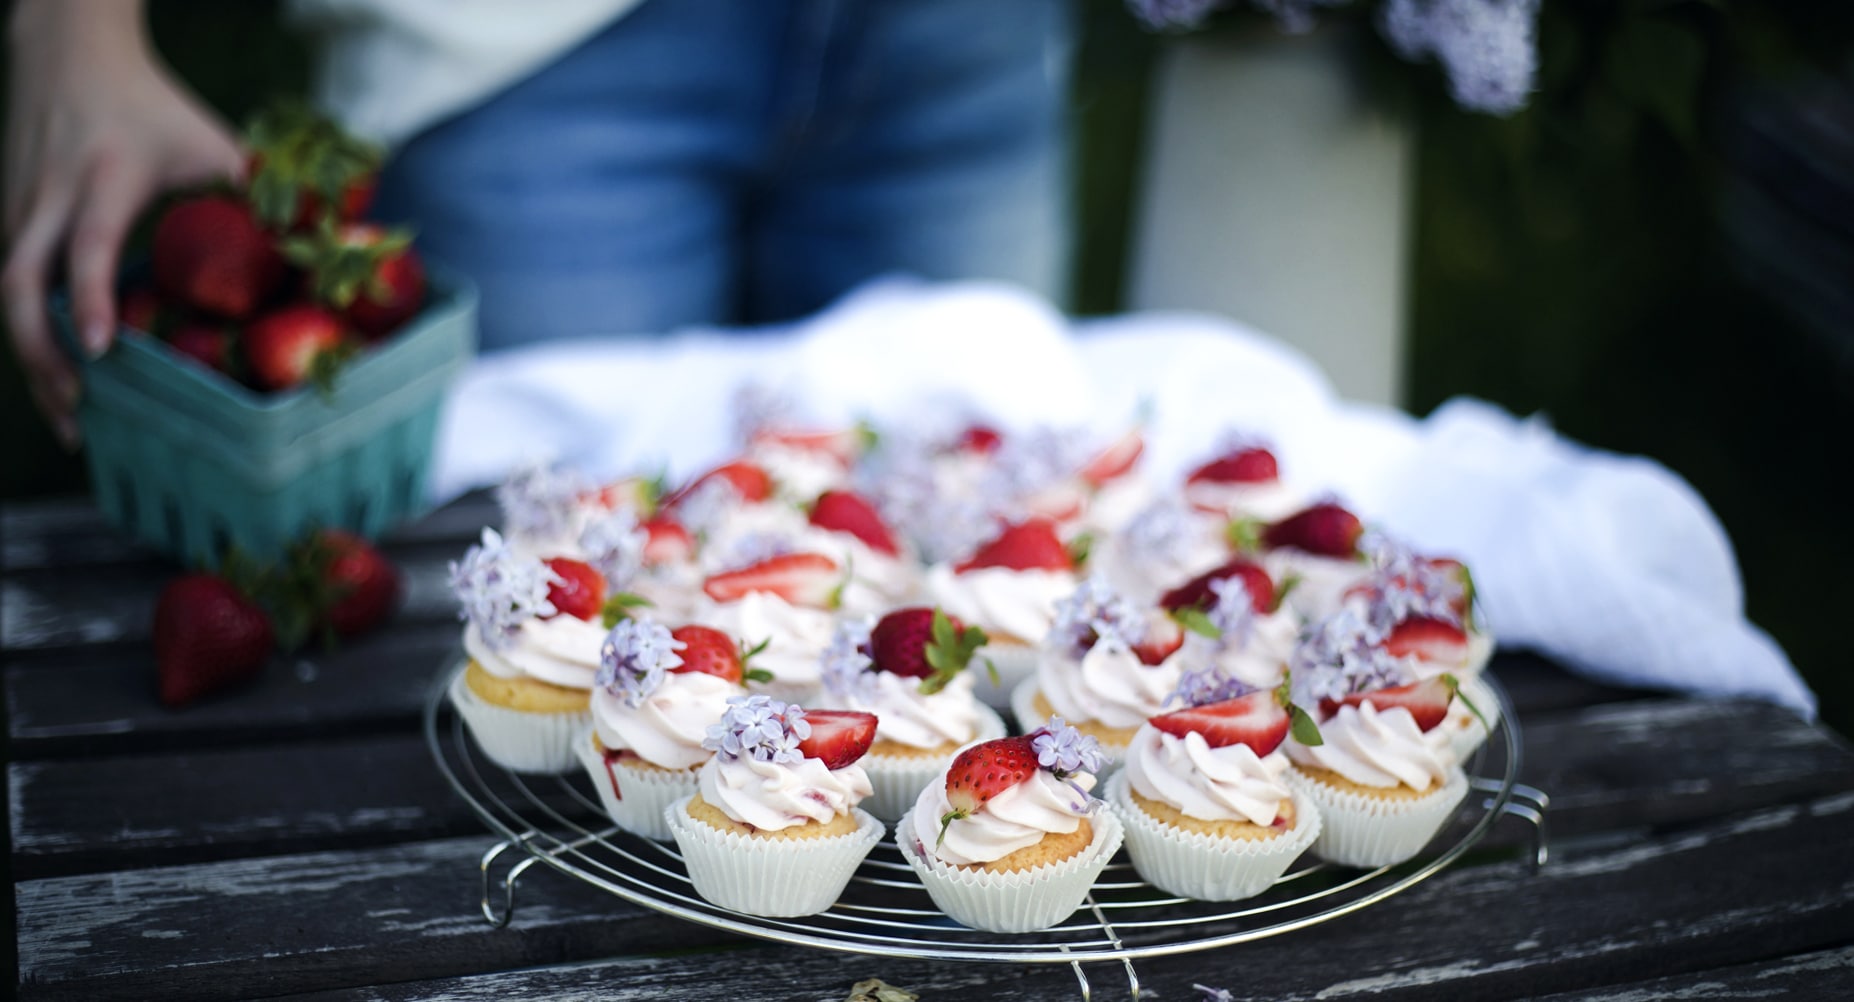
1009 839
1103 666
1009 588
774 829
784 601
1204 794
1241 482
910 669
1384 777
1236 623
532 637
657 692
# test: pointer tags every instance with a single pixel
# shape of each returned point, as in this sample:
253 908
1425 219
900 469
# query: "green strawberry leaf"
1245 534
1080 548
619 606
1303 728
1198 622
758 675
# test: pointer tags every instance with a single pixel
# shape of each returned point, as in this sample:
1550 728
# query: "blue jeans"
746 161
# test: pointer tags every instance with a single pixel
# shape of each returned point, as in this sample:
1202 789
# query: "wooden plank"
1828 974
1776 883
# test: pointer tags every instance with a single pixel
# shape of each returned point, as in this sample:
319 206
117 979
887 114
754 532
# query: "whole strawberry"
208 636
364 586
294 345
210 254
207 344
302 164
983 771
923 643
368 274
708 651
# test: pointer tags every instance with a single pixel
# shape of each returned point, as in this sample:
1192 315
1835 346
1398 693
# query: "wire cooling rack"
557 821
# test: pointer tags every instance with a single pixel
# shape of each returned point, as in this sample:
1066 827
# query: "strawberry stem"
1454 689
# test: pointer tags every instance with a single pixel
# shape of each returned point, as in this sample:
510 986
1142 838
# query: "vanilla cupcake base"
643 793
898 780
1362 830
1021 901
1205 867
774 878
519 740
1015 662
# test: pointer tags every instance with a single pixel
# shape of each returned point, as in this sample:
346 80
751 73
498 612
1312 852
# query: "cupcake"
785 601
1103 667
1237 622
1243 481
1384 778
1205 796
911 670
1009 588
658 692
1008 839
774 829
1165 543
532 637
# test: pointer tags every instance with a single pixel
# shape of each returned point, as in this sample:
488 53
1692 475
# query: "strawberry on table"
208 636
838 737
807 579
294 345
210 254
848 511
364 585
1023 546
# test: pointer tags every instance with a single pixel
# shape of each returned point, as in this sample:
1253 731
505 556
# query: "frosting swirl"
1109 684
1231 783
1015 818
772 796
1379 749
906 716
1323 580
1266 500
562 650
797 634
1260 659
667 729
1004 602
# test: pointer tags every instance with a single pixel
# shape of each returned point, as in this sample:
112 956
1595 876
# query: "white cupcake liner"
1015 662
898 780
1012 902
1205 867
1465 733
1023 707
1357 830
646 792
774 878
518 740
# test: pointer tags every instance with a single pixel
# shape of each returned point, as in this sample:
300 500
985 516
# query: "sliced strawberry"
1244 465
294 345
848 511
1116 460
1061 501
1022 546
666 541
1257 720
979 439
1196 593
983 771
841 445
747 479
580 592
708 651
808 579
1430 640
1163 638
838 737
1325 529
1427 701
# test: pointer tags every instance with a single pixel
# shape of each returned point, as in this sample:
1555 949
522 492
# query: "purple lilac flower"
1165 533
1180 15
1028 464
634 657
1067 752
703 509
499 590
1487 47
1404 586
1095 613
614 544
539 500
754 548
846 661
1233 613
1341 655
760 728
1200 686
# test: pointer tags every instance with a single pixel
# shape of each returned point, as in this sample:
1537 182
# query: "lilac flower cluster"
499 590
1066 751
760 728
634 658
1165 533
1403 586
539 500
1341 655
614 545
943 524
1233 613
703 509
1201 686
753 548
846 661
1095 613
1028 464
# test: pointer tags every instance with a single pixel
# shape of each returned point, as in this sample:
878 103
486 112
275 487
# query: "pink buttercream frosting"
773 796
1012 820
1231 783
667 728
562 650
1379 749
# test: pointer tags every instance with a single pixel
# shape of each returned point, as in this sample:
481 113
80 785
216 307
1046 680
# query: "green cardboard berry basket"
192 463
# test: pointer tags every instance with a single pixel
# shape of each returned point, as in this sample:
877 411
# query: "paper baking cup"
775 878
516 739
1205 867
1012 902
1357 830
899 780
646 792
1015 662
1023 707
1465 733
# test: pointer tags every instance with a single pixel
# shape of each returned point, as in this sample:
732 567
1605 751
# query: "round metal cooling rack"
557 820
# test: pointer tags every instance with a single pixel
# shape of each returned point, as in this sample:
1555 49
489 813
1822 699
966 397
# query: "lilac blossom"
1342 655
1165 533
634 657
1066 753
1200 686
703 509
1404 586
943 521
754 548
759 728
758 406
1029 464
1233 612
1487 47
539 500
1095 613
846 662
500 590
614 545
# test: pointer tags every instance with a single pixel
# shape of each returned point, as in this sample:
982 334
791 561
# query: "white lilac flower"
1404 586
1341 655
1165 533
1233 612
1199 686
845 663
760 728
614 545
539 500
1487 47
499 590
1095 613
634 657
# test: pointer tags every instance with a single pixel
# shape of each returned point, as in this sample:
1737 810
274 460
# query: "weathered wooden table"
295 840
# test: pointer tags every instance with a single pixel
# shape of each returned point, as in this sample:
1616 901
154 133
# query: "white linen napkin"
1610 564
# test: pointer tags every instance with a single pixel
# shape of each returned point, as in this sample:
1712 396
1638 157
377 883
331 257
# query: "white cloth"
1610 564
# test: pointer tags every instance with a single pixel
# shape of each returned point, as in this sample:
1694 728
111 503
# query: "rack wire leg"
507 913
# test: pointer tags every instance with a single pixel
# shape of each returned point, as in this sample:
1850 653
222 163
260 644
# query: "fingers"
115 193
22 285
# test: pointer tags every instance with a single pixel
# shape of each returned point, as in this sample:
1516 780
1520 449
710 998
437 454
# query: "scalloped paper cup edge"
646 791
898 781
1466 739
1013 902
773 878
1365 831
516 739
1193 865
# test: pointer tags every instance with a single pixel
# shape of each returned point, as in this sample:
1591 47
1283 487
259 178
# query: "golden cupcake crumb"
884 748
1166 814
529 695
1054 848
636 761
1117 738
712 816
1329 778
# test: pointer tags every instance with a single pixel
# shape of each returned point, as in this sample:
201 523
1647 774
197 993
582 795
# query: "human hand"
96 127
